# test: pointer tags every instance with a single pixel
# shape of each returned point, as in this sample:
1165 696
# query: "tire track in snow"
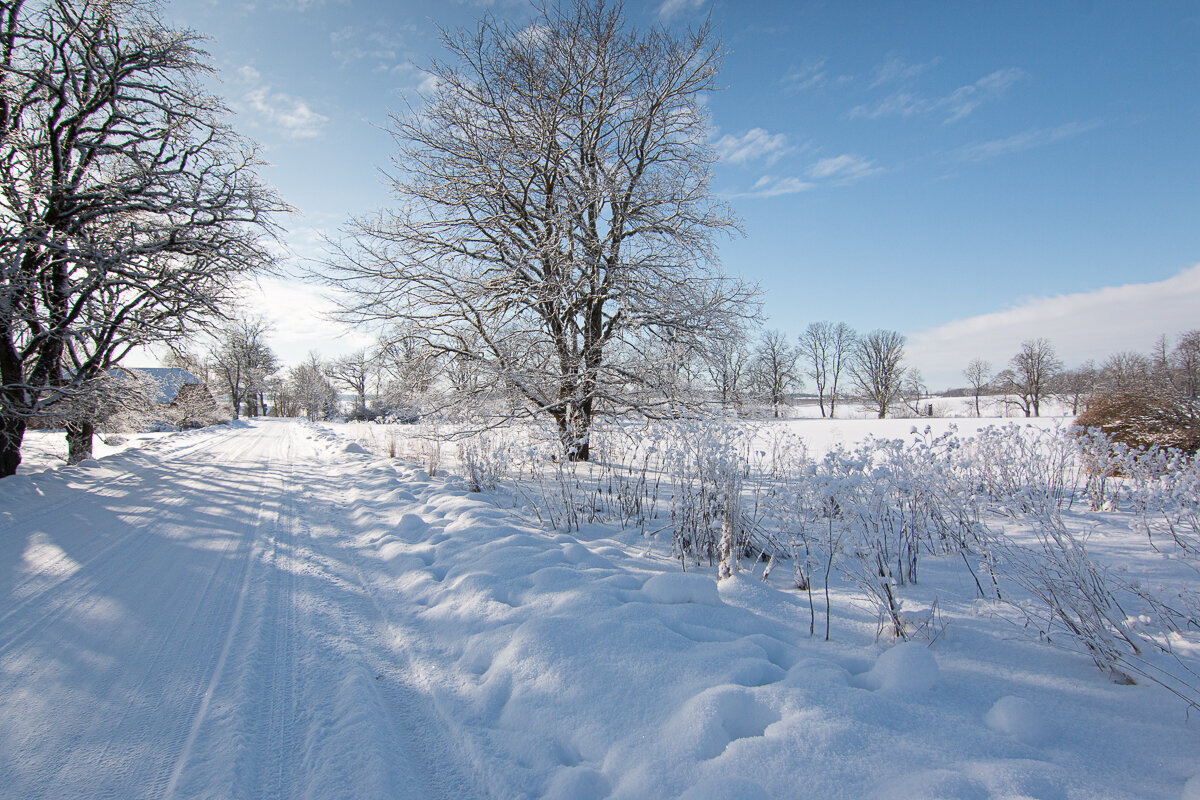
143 523
118 729
234 627
105 548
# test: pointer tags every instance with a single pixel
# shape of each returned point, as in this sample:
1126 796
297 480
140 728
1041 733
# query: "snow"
907 668
1018 718
270 610
682 587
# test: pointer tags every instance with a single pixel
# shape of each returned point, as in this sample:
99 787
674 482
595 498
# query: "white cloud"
301 318
290 115
1024 141
843 169
965 99
756 143
899 70
811 75
671 9
378 46
956 105
1082 326
832 171
775 186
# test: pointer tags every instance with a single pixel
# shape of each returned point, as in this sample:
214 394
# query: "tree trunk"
79 441
12 432
574 431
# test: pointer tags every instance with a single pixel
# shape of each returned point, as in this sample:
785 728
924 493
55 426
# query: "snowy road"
193 621
268 611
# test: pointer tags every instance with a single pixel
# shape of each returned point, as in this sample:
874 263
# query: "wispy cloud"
776 186
843 169
832 171
899 70
954 106
289 115
754 144
1082 326
810 75
380 47
670 9
1026 140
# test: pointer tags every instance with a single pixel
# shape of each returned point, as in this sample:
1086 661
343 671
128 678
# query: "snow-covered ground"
269 610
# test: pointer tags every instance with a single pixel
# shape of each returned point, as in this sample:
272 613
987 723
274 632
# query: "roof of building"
169 381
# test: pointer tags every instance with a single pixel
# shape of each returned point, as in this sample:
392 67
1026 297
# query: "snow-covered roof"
169 381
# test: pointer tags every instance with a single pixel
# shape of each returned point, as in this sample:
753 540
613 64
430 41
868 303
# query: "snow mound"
682 587
578 783
355 447
707 724
907 668
726 788
1018 718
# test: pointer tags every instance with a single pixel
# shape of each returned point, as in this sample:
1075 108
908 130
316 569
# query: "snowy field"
273 610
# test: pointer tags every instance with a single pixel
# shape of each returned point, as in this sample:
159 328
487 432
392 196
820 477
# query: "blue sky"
968 173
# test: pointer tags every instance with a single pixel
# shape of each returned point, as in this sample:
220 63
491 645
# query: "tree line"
129 208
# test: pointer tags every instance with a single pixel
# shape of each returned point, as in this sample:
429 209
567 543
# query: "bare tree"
311 389
773 369
978 373
127 205
241 361
878 370
1183 369
554 203
1126 372
411 369
915 391
826 348
1074 386
352 371
727 363
1030 376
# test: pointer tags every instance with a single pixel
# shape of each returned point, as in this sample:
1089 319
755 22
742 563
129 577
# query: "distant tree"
826 348
241 361
773 368
554 200
1183 370
181 357
1074 386
311 389
128 207
1126 372
915 392
878 370
727 361
978 373
352 371
1030 376
279 396
411 367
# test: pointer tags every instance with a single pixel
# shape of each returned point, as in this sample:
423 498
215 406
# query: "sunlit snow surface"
272 611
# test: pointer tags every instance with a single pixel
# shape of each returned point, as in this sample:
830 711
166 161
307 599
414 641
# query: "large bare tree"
127 206
877 368
554 213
